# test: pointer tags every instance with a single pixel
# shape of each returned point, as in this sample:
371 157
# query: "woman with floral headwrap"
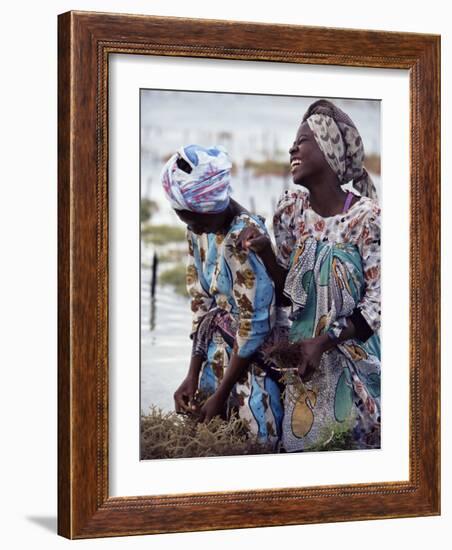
232 297
327 268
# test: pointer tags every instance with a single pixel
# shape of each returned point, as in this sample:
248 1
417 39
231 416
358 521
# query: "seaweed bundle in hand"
286 357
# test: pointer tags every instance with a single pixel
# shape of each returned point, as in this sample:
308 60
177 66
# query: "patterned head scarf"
341 144
207 188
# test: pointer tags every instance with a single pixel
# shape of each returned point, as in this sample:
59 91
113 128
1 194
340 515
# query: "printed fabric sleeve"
283 228
366 315
197 288
370 304
254 295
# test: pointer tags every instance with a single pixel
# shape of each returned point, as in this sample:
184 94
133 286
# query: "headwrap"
206 189
340 142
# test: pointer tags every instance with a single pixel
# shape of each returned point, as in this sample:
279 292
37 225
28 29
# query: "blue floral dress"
233 306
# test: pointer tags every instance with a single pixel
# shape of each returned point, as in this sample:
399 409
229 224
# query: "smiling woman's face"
306 158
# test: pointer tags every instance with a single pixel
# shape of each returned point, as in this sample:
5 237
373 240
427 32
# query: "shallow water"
165 350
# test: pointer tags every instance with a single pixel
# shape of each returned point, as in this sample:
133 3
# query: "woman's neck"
325 195
233 209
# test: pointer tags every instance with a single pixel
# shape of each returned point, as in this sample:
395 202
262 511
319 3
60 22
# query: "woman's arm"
276 263
252 239
200 304
369 307
312 349
276 272
216 404
185 393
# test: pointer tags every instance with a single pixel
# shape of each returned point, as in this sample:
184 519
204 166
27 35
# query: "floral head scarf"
340 142
207 188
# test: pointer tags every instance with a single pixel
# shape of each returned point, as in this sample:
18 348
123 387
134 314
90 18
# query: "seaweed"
285 357
172 435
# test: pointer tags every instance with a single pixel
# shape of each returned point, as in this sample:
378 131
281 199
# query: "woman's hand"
252 239
184 395
311 351
214 406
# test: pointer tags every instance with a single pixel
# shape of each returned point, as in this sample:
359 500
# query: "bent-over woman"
232 296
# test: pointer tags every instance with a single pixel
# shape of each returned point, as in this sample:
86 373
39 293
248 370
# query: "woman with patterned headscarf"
232 297
327 268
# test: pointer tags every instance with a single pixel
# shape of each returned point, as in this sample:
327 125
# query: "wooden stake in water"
153 280
155 261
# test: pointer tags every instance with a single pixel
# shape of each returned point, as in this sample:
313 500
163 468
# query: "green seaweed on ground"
336 437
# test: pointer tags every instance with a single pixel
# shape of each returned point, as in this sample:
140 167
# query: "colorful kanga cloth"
334 269
232 300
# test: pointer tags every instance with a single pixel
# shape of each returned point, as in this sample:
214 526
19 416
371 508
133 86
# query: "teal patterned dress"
334 273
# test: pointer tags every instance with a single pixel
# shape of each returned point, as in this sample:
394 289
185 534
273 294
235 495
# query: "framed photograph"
248 274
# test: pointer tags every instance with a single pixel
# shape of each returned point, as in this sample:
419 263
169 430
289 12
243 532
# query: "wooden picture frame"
85 41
